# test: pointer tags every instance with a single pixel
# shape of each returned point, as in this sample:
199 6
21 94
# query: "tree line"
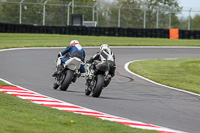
123 13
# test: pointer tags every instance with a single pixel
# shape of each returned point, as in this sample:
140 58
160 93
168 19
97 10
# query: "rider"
74 50
100 56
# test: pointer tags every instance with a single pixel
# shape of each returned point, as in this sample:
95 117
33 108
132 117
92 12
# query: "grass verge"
21 116
10 40
3 83
179 73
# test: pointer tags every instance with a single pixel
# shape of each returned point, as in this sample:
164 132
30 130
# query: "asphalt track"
127 96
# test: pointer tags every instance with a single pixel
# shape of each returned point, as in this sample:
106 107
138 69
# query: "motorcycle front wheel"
67 81
99 86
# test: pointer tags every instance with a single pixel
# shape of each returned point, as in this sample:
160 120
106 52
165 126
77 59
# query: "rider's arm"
66 50
95 57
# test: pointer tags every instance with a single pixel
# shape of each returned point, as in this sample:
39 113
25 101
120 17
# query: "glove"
59 54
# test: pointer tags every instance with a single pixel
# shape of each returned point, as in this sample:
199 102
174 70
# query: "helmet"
106 53
106 48
74 42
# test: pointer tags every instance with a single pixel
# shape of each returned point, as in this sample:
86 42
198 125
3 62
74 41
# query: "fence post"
157 19
68 13
20 12
144 18
97 16
93 11
63 12
189 19
72 6
44 11
170 19
119 11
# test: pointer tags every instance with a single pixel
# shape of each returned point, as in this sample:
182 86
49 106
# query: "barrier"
97 31
174 33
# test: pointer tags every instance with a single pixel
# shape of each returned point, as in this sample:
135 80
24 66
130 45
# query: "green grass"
21 116
179 73
3 83
9 40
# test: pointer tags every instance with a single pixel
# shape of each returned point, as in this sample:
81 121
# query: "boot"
55 86
58 72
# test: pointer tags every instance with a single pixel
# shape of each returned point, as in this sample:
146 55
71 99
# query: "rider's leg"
58 67
112 71
82 70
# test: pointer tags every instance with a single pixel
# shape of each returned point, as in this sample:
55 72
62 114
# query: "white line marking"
172 88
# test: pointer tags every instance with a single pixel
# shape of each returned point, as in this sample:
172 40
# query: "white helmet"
74 42
106 48
106 53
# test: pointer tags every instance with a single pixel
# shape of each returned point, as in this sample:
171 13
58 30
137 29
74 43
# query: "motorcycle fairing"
73 63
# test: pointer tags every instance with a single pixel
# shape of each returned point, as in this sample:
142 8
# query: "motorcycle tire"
67 81
99 86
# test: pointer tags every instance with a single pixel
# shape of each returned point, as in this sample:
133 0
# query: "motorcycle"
68 73
98 77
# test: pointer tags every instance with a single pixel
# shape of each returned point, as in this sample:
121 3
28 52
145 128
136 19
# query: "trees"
32 11
133 13
137 14
9 12
152 8
195 22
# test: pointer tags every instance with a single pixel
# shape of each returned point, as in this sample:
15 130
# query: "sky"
185 3
190 3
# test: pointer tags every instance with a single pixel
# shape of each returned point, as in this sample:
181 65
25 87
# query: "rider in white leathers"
105 53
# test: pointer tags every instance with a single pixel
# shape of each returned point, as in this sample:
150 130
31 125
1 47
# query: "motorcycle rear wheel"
67 81
99 86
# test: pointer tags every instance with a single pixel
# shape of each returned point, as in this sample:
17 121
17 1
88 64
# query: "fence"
58 14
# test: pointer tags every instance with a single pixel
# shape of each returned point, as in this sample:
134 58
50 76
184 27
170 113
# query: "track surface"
127 96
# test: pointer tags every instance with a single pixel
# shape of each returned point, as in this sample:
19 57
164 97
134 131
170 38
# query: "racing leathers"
97 58
71 51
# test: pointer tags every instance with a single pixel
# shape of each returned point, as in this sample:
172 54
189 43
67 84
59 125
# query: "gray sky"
185 3
189 3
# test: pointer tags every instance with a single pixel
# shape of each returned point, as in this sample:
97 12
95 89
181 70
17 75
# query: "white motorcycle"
68 73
